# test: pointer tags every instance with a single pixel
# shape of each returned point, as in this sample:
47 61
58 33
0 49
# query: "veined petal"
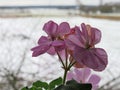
79 54
38 50
101 58
43 39
95 36
78 37
78 75
79 65
86 74
76 40
78 33
59 45
85 32
73 75
70 75
70 45
82 74
62 54
51 28
95 87
51 51
94 79
95 58
63 28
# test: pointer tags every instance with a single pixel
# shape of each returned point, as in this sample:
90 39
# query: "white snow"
12 46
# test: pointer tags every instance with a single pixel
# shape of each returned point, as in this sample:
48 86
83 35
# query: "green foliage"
25 88
39 85
57 85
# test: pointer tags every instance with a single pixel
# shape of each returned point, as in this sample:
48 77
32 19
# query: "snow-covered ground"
21 34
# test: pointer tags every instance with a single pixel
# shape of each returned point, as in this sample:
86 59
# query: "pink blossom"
55 39
84 75
84 51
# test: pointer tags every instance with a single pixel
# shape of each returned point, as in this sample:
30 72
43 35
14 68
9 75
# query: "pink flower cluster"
78 42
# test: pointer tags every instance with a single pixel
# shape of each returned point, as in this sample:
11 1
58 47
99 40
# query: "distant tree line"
107 8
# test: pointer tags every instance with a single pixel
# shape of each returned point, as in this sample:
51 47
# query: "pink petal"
95 36
70 75
62 54
77 31
85 32
38 50
82 74
58 44
43 39
75 40
94 79
79 54
102 58
69 44
93 58
78 75
79 65
51 51
86 74
63 28
95 87
51 28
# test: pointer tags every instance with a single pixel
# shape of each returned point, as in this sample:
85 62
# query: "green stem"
66 56
72 62
65 65
64 77
70 65
67 68
61 60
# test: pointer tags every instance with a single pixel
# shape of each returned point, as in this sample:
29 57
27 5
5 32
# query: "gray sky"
51 2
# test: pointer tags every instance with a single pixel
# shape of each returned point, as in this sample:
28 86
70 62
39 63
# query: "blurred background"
21 23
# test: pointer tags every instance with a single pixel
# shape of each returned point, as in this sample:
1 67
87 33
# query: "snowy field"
19 35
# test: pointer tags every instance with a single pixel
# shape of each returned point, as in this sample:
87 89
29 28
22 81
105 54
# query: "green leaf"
40 84
60 87
25 88
33 88
55 83
39 89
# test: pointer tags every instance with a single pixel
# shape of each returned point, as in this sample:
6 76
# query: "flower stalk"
65 65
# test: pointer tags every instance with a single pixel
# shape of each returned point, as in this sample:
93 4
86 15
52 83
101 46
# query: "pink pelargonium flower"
83 75
85 52
55 39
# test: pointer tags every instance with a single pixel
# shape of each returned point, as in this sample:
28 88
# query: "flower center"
88 46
